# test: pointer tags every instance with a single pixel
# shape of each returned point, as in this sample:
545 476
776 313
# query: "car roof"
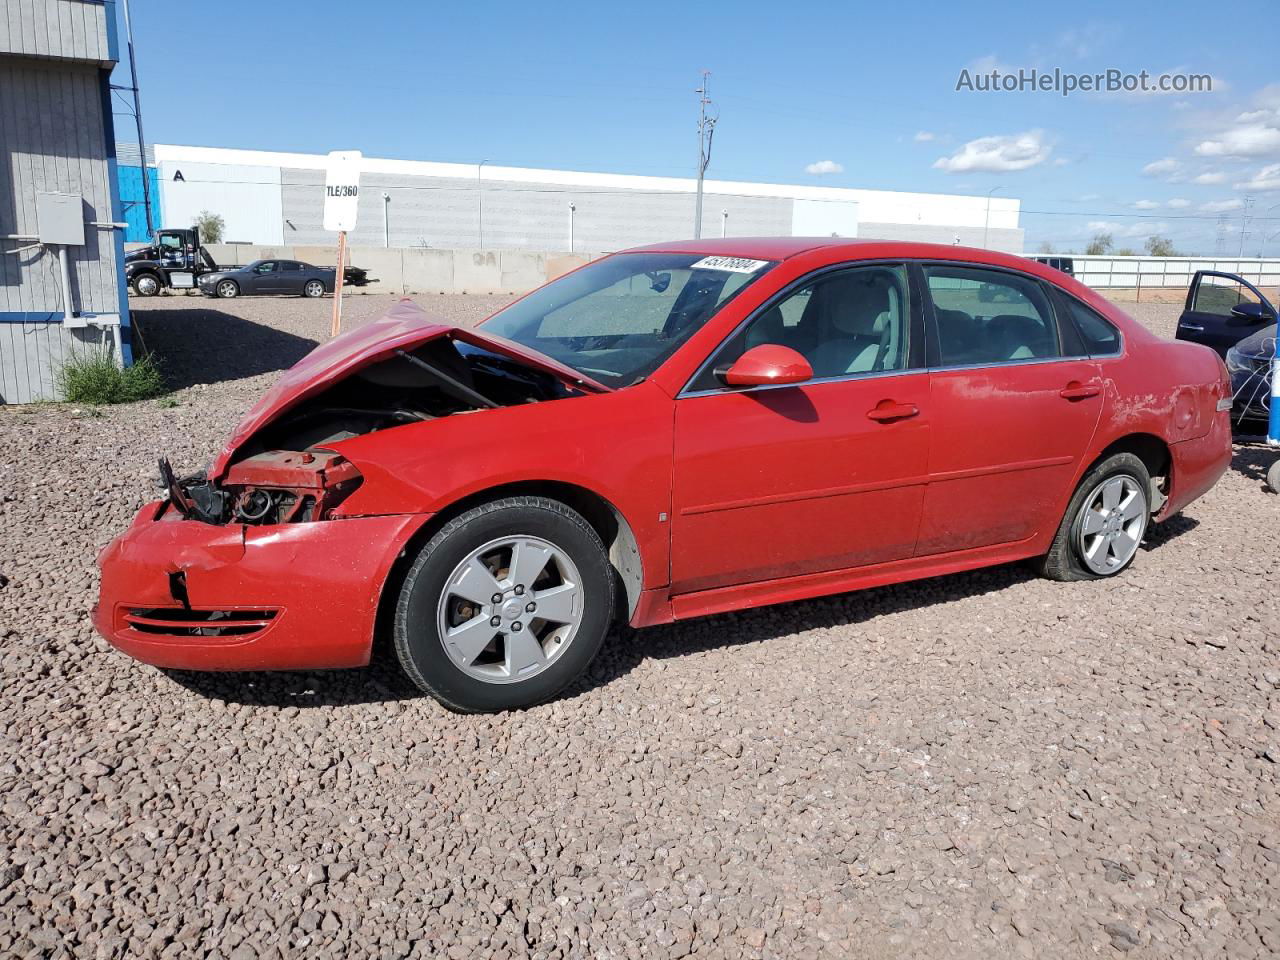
783 248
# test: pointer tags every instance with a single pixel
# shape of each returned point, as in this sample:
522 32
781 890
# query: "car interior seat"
855 318
1018 337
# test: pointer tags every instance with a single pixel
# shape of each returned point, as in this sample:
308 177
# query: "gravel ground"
980 765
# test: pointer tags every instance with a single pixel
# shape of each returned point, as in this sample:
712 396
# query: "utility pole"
706 130
986 223
137 115
1244 223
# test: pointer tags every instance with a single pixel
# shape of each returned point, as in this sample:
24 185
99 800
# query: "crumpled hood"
406 326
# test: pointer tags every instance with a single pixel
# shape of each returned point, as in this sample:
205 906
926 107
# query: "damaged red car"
668 432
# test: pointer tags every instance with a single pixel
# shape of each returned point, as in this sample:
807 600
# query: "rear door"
1207 317
290 277
1012 411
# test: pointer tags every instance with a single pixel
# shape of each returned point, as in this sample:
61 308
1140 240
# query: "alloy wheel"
147 286
314 288
227 288
510 609
1111 523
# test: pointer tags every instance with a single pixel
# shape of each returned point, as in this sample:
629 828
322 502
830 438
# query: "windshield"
619 318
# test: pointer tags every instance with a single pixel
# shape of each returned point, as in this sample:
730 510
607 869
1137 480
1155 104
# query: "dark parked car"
1231 315
289 277
1065 264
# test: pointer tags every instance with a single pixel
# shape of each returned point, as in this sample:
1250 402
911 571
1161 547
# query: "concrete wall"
419 270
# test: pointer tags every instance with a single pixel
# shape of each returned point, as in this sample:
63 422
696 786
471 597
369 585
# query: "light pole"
724 223
986 224
572 207
480 198
386 219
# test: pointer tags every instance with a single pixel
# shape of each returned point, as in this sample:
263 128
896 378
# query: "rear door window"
990 316
1100 338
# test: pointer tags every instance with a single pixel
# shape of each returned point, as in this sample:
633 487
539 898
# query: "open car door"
1222 309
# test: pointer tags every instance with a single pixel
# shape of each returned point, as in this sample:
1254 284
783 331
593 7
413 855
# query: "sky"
850 94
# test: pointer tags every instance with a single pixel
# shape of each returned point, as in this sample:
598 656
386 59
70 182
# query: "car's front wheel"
1104 524
313 288
227 289
505 606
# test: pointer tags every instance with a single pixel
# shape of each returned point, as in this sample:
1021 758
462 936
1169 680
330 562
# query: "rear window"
1100 337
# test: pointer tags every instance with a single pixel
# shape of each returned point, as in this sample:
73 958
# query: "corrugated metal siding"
63 29
133 200
52 138
31 354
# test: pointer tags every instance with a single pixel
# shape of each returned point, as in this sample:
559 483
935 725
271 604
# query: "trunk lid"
406 326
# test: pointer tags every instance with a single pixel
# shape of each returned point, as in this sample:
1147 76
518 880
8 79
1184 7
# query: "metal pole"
724 223
986 225
480 196
137 116
702 150
386 219
336 326
572 207
65 270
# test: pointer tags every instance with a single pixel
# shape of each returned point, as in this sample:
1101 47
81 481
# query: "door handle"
887 410
1192 326
1075 390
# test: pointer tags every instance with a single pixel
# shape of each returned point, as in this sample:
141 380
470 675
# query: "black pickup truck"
175 260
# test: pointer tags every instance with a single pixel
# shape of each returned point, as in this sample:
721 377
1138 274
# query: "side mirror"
769 363
1249 312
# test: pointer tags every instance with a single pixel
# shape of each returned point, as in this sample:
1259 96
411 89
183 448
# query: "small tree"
1158 246
1046 247
1126 252
1100 244
210 226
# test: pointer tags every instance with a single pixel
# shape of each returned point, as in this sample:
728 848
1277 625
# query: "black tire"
147 284
416 633
226 289
313 289
1064 561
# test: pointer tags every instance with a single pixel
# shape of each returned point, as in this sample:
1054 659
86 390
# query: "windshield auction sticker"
730 264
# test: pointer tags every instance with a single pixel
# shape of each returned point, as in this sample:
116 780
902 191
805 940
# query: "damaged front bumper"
195 596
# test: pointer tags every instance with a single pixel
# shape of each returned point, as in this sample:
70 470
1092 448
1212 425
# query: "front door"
264 278
1011 415
1207 317
773 482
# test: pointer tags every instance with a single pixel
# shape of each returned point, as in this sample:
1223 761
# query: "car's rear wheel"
1104 524
313 288
505 606
228 289
146 285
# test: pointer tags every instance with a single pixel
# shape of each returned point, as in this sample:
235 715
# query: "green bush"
97 379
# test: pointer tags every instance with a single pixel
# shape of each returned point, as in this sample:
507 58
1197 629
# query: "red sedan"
668 432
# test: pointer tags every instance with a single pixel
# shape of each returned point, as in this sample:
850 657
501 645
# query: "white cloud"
1164 167
1268 178
1179 203
1145 205
1210 177
923 136
1220 206
999 154
822 167
1247 140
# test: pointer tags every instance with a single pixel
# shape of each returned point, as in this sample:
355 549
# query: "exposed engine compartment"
285 474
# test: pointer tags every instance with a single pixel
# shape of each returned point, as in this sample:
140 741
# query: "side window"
290 266
988 316
267 266
1100 338
1217 295
850 322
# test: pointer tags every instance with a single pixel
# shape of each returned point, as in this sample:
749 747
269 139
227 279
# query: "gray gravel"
982 765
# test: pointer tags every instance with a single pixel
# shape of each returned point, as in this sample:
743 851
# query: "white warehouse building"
269 198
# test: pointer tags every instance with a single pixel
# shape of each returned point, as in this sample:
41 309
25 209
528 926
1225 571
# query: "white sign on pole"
341 190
